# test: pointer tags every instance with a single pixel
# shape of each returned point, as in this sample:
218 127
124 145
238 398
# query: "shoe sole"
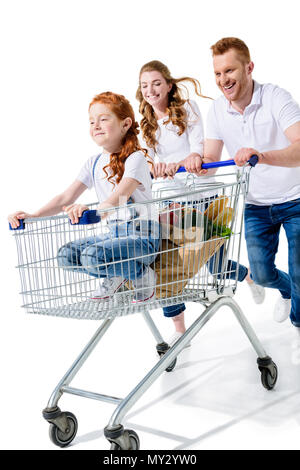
135 301
109 296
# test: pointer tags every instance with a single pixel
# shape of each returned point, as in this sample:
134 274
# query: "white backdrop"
56 55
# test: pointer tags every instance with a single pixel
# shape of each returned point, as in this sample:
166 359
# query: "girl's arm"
117 198
122 193
54 206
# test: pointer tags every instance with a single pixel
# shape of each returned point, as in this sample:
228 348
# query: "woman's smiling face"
155 88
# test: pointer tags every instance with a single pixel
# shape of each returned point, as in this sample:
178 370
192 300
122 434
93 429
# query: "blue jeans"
124 251
215 265
262 227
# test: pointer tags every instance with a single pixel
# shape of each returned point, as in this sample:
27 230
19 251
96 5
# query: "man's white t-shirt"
173 148
272 110
136 167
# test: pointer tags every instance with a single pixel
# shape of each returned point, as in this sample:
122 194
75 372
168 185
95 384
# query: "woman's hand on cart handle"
171 170
75 211
159 170
16 219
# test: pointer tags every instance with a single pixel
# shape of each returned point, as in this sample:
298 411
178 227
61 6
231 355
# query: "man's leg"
291 222
262 237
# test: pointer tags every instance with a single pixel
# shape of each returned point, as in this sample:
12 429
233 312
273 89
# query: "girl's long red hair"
121 107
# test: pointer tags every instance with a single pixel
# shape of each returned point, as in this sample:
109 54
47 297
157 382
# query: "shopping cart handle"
20 227
205 166
88 217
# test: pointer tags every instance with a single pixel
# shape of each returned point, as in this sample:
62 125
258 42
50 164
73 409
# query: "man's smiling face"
232 74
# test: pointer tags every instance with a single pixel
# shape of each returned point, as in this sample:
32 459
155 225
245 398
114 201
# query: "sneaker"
295 357
145 286
282 309
107 288
258 292
175 338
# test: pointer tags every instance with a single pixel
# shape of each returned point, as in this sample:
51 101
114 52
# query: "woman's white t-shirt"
172 148
135 167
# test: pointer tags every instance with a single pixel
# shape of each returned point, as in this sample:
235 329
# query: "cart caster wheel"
133 440
172 365
64 438
162 349
269 373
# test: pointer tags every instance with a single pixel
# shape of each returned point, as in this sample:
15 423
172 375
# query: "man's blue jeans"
124 251
262 227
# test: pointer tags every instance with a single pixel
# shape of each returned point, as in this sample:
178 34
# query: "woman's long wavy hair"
121 107
175 110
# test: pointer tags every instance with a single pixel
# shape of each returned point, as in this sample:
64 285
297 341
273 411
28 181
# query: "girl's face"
155 89
105 127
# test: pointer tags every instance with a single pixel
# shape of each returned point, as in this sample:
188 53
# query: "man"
263 120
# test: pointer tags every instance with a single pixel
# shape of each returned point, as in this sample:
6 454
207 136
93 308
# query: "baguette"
225 217
216 207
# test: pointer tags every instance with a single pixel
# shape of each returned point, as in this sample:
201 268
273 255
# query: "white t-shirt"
173 148
136 167
271 111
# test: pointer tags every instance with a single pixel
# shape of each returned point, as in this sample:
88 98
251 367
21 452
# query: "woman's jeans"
262 227
124 251
215 265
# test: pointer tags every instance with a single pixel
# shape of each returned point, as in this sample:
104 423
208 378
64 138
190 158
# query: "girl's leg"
123 256
69 255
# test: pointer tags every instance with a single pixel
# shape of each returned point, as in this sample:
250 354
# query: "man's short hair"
225 44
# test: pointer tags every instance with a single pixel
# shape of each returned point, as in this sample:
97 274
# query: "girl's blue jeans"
124 251
215 265
262 227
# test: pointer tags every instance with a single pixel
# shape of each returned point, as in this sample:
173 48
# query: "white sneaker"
258 292
145 286
107 288
175 338
282 309
295 357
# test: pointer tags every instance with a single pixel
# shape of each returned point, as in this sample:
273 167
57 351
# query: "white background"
55 57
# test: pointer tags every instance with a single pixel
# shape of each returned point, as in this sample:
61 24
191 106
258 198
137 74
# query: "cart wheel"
134 441
162 348
269 376
60 438
172 365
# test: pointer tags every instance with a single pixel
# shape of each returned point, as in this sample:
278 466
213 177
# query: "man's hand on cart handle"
75 211
243 156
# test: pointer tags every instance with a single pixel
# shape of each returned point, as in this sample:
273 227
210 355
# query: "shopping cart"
200 233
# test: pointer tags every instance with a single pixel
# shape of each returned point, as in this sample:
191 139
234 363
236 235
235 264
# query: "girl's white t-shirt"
173 148
135 167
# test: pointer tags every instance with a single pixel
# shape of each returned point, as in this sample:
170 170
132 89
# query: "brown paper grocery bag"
175 265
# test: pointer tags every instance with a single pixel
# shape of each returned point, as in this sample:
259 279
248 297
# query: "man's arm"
288 157
212 153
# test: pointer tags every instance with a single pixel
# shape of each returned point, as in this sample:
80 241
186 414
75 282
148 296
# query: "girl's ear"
126 124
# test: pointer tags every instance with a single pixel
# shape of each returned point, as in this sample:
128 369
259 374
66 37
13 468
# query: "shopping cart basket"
200 233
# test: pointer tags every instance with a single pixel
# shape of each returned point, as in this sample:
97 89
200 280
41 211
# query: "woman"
172 133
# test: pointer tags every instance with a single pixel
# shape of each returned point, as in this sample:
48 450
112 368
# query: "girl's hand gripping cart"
197 261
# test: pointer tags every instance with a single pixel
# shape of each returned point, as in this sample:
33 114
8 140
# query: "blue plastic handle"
206 166
88 217
21 226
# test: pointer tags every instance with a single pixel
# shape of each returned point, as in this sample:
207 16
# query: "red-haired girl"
119 173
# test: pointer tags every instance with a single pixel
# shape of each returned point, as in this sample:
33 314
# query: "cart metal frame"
63 425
